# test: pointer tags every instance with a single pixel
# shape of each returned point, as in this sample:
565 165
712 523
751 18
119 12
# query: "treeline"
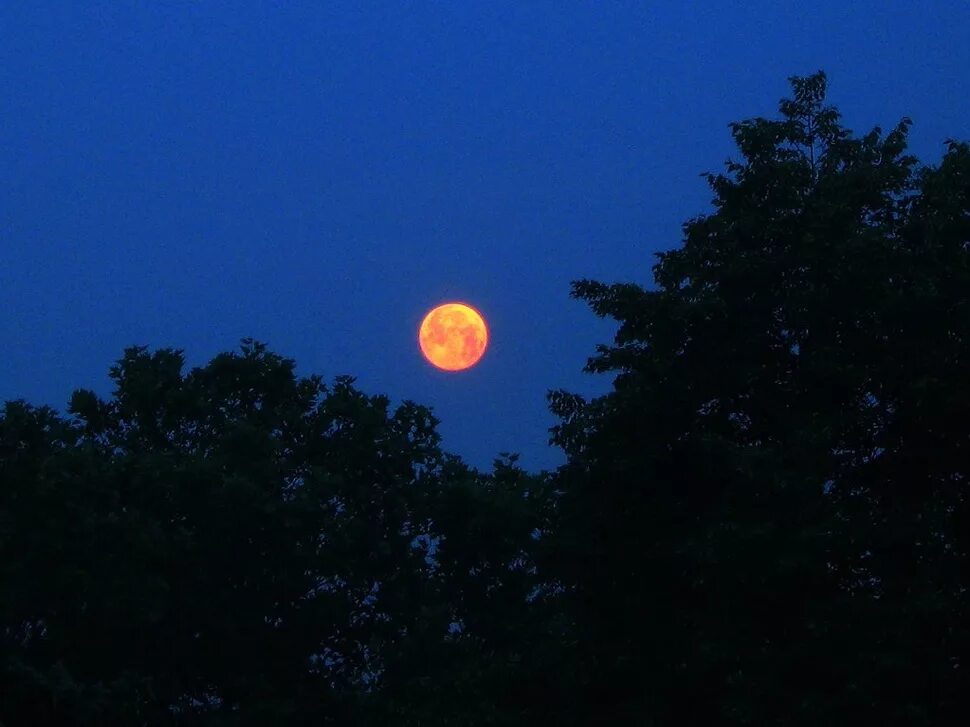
765 522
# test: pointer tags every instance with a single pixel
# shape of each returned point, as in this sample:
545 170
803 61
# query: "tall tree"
765 518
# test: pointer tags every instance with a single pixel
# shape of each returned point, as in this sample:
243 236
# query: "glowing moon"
453 336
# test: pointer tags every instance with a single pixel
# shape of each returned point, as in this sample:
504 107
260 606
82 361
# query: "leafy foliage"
774 492
239 546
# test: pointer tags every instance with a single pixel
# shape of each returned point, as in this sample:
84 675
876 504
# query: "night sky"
318 175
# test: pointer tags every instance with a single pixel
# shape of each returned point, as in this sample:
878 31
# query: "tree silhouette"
242 546
773 495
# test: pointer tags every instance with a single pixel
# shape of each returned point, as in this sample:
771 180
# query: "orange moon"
453 336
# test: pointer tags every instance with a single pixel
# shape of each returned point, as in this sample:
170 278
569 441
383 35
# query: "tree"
766 515
238 545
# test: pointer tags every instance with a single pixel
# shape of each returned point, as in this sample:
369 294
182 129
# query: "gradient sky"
318 175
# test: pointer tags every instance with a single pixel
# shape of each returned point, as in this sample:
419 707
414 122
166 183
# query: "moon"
453 336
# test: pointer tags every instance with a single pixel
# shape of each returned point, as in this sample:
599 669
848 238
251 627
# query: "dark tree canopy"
765 521
242 546
774 493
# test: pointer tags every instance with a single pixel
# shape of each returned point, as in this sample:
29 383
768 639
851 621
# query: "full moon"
453 336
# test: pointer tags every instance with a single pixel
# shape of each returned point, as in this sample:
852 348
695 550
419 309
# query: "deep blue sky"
317 175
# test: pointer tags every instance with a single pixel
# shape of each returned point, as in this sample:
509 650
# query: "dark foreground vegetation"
765 522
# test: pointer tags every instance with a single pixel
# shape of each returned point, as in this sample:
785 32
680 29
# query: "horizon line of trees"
765 521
